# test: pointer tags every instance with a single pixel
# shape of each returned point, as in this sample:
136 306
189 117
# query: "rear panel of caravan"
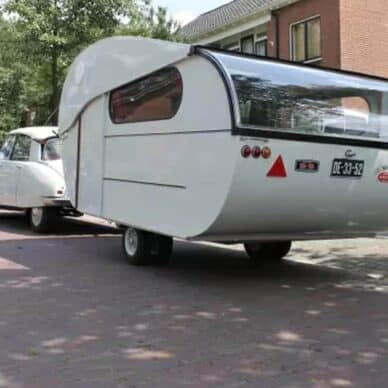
170 176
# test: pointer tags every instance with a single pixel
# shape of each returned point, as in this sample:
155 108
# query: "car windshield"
283 97
52 150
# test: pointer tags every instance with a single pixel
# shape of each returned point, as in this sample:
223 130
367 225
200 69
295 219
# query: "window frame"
246 38
305 22
139 80
17 138
262 39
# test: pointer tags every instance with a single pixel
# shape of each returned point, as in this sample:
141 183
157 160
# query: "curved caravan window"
288 98
155 97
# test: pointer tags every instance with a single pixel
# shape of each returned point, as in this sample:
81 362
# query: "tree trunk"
54 101
53 118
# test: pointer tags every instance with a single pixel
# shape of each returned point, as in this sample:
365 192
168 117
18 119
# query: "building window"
247 45
261 47
155 97
306 40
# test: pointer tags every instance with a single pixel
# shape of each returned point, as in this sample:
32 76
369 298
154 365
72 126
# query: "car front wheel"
43 219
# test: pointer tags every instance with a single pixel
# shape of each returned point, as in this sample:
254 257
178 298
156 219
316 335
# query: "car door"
11 169
5 169
20 160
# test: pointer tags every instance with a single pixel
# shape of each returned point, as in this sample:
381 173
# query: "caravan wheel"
142 248
136 246
259 251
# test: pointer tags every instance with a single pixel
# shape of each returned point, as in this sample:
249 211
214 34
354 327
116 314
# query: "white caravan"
172 140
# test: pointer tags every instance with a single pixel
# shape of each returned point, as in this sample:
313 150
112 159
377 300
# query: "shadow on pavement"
74 314
16 223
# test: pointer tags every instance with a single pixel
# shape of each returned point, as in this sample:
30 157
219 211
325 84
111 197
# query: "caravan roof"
114 62
120 60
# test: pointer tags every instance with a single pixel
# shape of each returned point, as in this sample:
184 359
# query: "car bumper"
57 202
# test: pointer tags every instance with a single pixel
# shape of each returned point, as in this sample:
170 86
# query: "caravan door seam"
168 133
146 183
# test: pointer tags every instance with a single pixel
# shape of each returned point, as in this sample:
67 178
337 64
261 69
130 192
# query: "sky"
185 11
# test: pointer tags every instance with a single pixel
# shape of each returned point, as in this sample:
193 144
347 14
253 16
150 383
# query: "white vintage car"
31 176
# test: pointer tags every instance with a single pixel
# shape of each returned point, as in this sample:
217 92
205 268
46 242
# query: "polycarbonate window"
290 98
155 97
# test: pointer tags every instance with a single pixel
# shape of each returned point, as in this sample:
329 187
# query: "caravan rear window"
155 97
283 97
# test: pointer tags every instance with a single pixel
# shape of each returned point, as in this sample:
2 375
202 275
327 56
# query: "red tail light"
246 151
256 152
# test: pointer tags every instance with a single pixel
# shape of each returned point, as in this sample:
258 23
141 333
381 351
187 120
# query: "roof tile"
223 16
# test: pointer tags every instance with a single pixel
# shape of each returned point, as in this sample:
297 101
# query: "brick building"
347 34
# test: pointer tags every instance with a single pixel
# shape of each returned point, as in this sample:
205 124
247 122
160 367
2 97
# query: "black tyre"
161 250
137 246
43 219
260 251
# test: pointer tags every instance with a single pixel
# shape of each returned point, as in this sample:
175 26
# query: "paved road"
74 314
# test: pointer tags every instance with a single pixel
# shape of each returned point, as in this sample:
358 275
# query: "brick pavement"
74 314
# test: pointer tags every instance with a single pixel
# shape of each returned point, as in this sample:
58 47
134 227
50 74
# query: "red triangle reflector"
278 170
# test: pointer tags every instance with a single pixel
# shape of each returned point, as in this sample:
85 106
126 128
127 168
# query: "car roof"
36 133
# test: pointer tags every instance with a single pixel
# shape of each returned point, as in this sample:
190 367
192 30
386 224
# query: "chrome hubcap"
131 241
36 215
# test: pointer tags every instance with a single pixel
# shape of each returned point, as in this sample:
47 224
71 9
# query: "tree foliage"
40 38
13 90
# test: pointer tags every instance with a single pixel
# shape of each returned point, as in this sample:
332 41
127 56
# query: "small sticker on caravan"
307 166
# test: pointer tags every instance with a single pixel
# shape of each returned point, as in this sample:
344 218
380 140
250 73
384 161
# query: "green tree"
48 34
13 90
150 22
12 99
